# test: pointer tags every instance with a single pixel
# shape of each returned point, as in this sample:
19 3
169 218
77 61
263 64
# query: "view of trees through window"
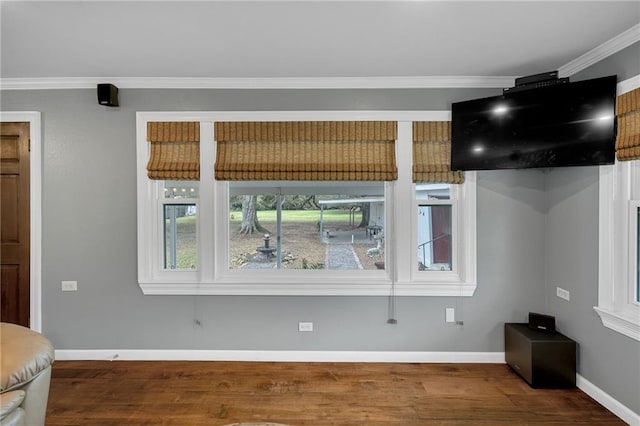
306 231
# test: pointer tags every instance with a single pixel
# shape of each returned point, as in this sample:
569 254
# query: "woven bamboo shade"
432 153
628 113
175 150
317 150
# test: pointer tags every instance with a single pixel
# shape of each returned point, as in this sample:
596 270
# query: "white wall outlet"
562 293
69 285
450 315
305 326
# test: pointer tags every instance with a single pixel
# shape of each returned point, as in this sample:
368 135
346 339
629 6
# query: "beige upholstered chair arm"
25 374
11 414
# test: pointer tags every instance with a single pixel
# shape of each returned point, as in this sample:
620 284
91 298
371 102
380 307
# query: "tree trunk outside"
311 200
366 212
250 223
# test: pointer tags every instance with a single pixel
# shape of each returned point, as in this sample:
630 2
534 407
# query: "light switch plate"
450 315
69 285
305 326
562 293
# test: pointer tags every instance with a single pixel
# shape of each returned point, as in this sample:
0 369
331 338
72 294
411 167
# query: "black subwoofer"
544 360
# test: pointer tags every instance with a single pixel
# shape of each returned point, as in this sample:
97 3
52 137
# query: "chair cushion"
23 355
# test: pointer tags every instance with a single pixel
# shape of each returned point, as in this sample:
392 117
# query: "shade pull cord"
392 304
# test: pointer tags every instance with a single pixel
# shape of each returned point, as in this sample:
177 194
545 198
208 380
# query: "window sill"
335 288
628 325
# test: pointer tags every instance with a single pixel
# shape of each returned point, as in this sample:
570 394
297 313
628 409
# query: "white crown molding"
277 356
608 48
628 85
429 82
607 401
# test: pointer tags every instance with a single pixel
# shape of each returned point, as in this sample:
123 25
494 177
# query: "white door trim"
35 199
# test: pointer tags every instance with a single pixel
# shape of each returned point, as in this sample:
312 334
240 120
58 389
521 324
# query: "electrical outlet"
69 285
450 315
305 326
562 293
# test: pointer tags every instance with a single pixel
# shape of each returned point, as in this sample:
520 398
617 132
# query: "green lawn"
186 242
186 250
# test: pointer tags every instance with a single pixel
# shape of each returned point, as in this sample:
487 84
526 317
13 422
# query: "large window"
619 213
208 236
619 271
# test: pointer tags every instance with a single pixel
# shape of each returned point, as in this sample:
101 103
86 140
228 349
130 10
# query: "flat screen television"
566 124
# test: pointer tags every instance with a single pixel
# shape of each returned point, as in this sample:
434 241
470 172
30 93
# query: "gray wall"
606 358
89 225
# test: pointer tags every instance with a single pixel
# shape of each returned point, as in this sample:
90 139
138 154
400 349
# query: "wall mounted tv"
566 124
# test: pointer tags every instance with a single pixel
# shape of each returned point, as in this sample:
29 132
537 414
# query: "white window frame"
214 276
619 191
463 273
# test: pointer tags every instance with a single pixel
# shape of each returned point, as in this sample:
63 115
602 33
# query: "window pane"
179 239
180 248
434 238
434 227
327 230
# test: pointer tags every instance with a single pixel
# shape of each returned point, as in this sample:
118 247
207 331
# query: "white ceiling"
308 39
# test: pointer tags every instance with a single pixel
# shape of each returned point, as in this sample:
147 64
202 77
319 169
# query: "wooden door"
14 225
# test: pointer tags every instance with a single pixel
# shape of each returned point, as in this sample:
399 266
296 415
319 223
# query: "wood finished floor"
218 393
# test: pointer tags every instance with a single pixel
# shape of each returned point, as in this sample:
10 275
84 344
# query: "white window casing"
213 275
619 191
619 195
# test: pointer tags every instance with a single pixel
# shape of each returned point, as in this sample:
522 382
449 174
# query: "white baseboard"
281 356
607 401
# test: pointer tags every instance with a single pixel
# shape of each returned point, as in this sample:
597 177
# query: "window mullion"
405 206
205 229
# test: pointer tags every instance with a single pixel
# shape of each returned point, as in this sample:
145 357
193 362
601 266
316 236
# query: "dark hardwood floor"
218 393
